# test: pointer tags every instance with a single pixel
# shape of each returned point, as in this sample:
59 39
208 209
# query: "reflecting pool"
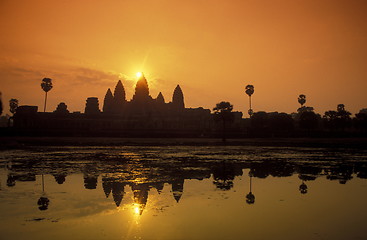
183 192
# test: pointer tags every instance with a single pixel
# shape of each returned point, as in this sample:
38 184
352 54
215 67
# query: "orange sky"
211 48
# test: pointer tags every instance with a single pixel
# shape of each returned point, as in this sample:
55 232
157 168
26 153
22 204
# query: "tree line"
305 121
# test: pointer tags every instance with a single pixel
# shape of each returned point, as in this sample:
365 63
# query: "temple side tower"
92 106
178 98
160 98
119 98
108 102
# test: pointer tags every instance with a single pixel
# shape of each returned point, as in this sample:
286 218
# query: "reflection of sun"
137 210
139 74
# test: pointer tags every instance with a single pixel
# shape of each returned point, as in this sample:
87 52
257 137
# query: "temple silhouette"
142 116
145 116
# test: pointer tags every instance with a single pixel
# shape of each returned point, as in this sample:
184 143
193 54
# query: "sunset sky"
213 49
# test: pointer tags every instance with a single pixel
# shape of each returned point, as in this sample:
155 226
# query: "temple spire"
119 97
160 98
177 189
141 89
178 98
108 102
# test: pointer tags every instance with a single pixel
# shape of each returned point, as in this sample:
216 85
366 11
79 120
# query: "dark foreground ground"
24 142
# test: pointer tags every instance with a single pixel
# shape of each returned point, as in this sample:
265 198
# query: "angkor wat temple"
142 116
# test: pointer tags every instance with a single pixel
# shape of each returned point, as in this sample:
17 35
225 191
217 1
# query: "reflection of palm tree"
43 201
249 91
10 182
303 188
46 85
250 197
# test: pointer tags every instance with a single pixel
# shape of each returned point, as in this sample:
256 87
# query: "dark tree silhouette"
223 113
308 120
223 176
13 105
360 120
339 119
304 109
62 108
1 105
60 178
343 117
259 122
46 86
306 117
249 91
340 107
329 119
302 99
265 124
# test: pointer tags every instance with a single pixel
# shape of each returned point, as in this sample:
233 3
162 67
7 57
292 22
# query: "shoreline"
24 142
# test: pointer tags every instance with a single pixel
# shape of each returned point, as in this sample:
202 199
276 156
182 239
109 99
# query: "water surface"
183 192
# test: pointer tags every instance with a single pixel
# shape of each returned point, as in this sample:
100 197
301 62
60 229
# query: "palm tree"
340 107
13 105
302 99
46 85
1 105
249 91
223 112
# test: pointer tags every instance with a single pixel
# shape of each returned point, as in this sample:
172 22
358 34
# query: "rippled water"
183 192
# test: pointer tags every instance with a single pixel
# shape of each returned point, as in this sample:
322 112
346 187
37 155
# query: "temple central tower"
141 90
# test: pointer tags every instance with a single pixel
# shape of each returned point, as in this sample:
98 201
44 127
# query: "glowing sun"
139 74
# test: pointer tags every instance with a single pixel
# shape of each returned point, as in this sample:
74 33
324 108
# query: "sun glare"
137 210
139 74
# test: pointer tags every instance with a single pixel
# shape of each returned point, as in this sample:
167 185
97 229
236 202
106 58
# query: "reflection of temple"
142 116
116 185
141 174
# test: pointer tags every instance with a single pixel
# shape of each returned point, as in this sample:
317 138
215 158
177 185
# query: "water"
183 192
